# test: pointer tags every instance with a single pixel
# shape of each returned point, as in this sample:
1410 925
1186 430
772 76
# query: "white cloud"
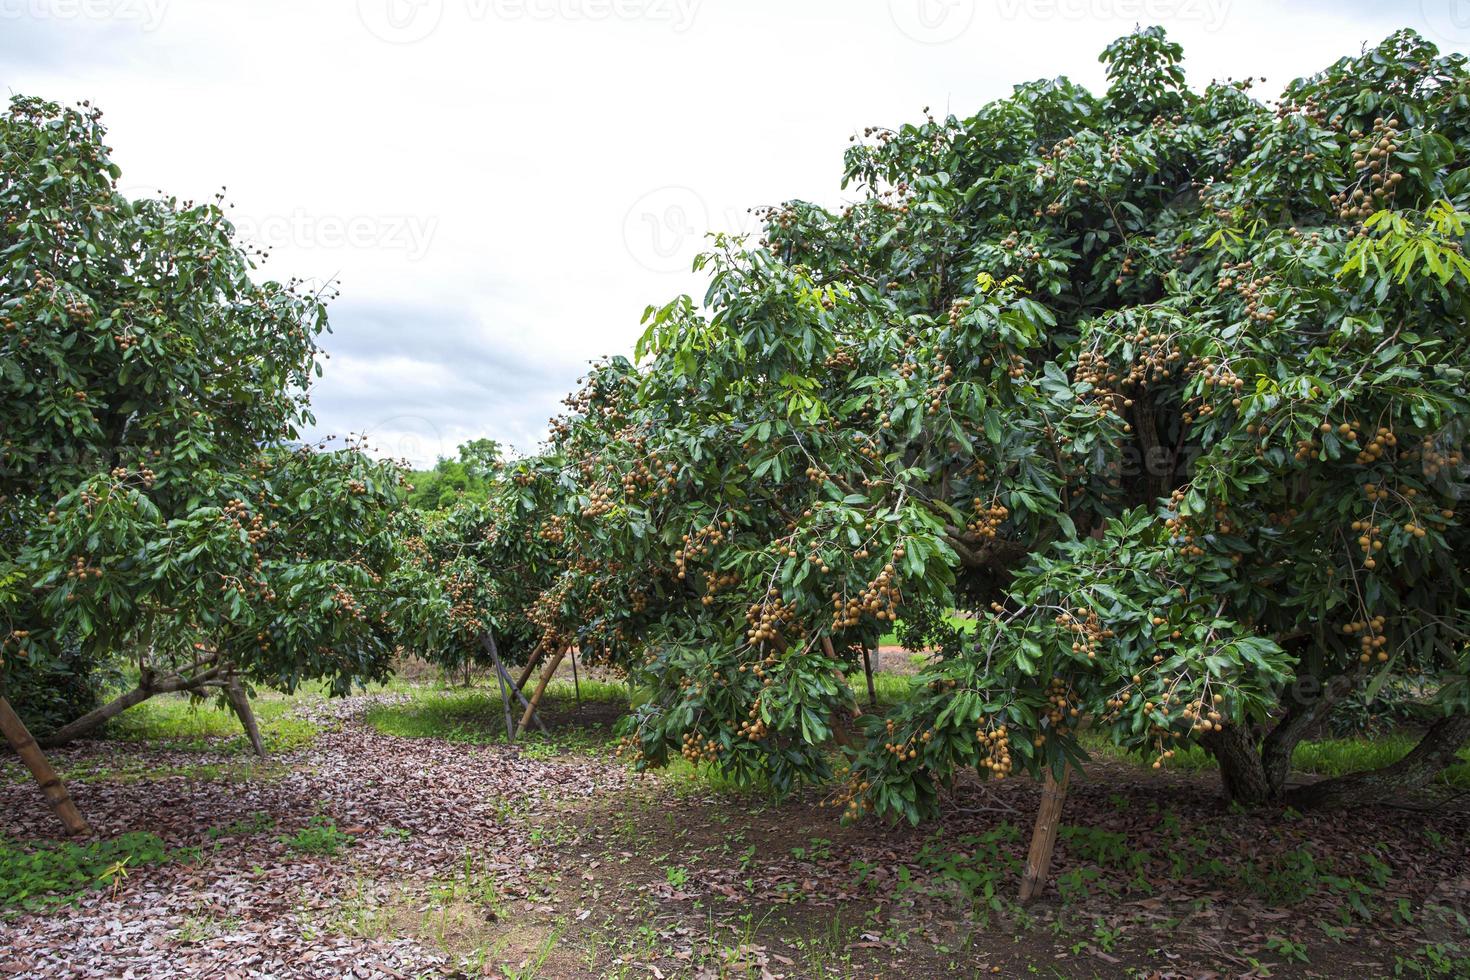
503 185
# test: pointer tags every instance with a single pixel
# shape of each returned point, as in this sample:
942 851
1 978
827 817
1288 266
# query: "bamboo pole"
868 670
576 681
52 787
1044 837
541 687
504 680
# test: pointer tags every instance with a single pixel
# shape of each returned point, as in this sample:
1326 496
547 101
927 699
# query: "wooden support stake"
541 687
240 701
52 787
868 669
519 695
576 681
1044 837
504 680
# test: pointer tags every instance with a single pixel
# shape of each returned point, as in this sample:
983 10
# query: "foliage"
42 876
153 502
1165 388
319 837
450 480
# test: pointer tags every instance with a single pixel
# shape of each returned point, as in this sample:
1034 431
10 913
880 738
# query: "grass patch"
178 722
319 837
47 875
890 688
1325 757
475 716
962 623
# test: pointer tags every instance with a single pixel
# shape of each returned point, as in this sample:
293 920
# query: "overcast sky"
502 186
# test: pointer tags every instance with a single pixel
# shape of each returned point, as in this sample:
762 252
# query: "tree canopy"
1164 388
156 505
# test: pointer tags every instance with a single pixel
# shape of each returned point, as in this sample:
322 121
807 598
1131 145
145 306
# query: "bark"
51 785
240 701
148 686
1242 774
530 667
1302 713
541 687
1414 771
1044 835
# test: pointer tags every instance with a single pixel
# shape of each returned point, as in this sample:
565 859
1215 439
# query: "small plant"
47 875
257 823
1291 950
677 876
320 837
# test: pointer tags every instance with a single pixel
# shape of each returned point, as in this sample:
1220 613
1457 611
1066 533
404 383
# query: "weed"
319 837
54 874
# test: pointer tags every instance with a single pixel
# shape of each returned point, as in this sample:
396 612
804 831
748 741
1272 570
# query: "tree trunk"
52 787
1414 771
1044 835
240 701
1242 774
541 687
530 667
1306 705
146 688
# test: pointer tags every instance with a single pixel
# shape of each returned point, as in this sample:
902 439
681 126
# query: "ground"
395 834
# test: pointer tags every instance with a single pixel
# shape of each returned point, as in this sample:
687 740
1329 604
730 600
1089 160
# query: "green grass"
962 623
1326 757
176 722
890 688
475 716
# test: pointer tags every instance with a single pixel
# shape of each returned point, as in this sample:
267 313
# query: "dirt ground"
471 860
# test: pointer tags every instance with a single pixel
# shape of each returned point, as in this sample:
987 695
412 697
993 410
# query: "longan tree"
156 508
1164 389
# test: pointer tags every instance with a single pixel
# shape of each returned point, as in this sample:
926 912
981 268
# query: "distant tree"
467 478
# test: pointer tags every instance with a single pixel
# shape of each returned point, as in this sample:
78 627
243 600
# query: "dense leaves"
154 505
1163 388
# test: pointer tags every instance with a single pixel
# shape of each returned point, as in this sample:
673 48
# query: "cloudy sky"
502 186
